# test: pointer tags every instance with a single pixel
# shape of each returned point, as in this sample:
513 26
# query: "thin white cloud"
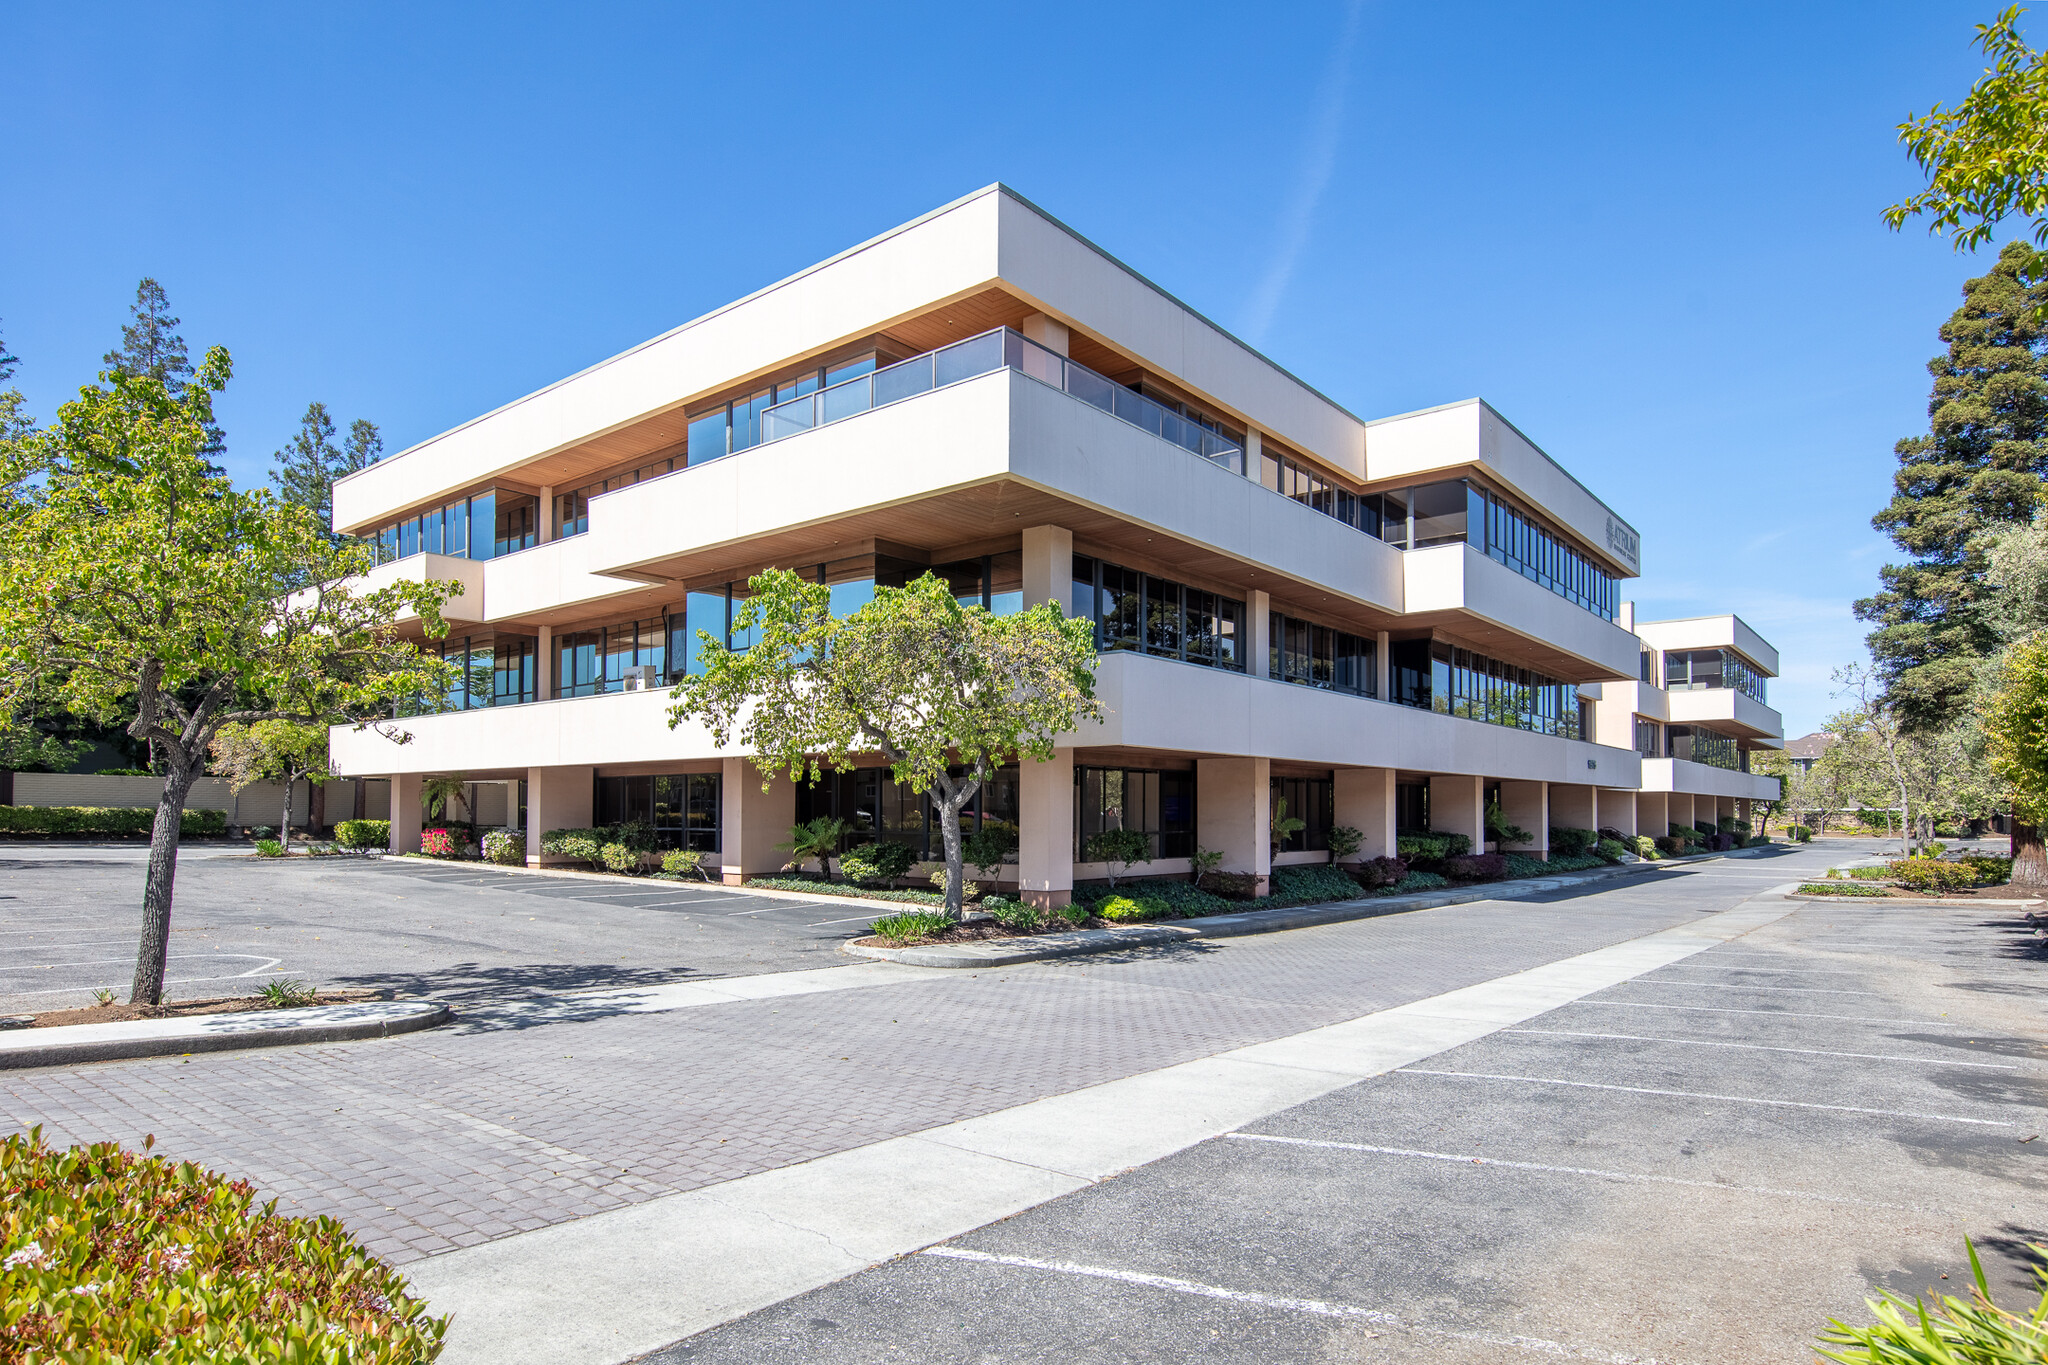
1318 163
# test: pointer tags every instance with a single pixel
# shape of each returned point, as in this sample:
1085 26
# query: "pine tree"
310 463
152 348
305 467
1977 471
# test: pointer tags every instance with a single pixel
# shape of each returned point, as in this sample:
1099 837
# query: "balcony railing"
984 354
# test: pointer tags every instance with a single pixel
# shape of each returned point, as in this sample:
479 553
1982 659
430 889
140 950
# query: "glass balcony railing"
991 351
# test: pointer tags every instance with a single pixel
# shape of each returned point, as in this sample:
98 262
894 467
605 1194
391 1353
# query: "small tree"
1285 826
2016 734
820 839
136 586
927 682
271 751
1118 850
988 848
440 792
1344 841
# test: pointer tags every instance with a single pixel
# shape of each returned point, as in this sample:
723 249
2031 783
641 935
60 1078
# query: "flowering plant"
438 843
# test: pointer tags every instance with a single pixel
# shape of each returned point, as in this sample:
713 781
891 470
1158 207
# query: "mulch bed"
180 1009
982 930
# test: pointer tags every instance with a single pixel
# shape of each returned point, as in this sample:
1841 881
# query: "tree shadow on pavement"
472 983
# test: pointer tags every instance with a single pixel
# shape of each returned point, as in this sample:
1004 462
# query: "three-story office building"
1386 624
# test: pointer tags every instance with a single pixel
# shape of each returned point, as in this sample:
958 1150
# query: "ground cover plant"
1950 1331
269 848
112 1255
912 926
1840 889
817 886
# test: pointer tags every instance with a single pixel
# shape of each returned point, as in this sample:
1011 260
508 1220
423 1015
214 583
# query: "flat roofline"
997 187
1509 424
1715 616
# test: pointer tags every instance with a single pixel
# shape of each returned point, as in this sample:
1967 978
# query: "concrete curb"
1908 900
1080 942
72 1044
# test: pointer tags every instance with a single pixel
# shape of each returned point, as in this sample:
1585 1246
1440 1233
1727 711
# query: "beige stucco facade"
1352 631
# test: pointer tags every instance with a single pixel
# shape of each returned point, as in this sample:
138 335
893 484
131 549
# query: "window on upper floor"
1697 744
1646 660
1151 615
1322 656
1706 669
1649 738
1437 676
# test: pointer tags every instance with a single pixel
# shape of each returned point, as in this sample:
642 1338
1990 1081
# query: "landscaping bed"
182 1009
1881 891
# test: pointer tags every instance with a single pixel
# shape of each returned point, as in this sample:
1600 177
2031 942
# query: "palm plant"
1285 826
820 839
438 793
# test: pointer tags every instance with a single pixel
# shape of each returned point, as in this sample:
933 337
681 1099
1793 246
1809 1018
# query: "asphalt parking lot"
465 933
1700 1165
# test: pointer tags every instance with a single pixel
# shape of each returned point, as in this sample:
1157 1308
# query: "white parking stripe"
1775 1014
103 961
1701 1095
1469 1159
1759 1047
857 919
1745 986
1317 1307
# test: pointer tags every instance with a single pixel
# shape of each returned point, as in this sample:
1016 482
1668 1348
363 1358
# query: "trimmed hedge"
54 820
108 1254
1421 844
363 833
1926 874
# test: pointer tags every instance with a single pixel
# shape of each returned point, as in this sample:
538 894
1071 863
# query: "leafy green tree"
2016 731
134 585
1978 471
1118 850
913 674
151 348
310 462
283 751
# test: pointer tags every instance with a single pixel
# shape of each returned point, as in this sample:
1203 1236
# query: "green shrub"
269 848
1840 889
579 845
1645 846
125 772
1126 910
1483 867
1076 915
1860 874
1015 915
284 993
1671 844
363 833
1419 881
1582 862
912 926
882 862
113 1255
1950 1331
1572 843
1990 871
683 862
986 848
1311 883
636 835
1414 844
1926 874
53 820
1522 865
1235 886
506 847
1612 850
1118 849
1184 899
1798 834
1757 841
619 858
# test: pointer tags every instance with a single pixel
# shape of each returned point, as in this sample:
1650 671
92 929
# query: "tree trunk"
2029 858
316 807
154 950
954 797
284 826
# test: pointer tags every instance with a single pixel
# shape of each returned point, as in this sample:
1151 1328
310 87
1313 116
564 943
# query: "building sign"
1624 542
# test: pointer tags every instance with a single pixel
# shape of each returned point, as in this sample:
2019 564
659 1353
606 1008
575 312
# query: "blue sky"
1649 234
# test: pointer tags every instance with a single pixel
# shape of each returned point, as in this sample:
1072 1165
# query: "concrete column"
1457 805
1365 801
1681 812
556 798
1233 799
1383 667
752 822
544 515
1049 566
1045 837
544 665
1259 630
1744 814
1050 333
1254 452
1618 811
1528 804
1653 813
405 812
1574 807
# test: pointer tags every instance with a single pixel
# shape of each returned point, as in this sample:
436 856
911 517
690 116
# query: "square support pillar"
1574 807
1457 805
1527 804
1678 810
1365 802
1653 814
544 519
405 813
1618 811
544 668
752 822
1259 632
556 798
1049 567
1050 333
1233 814
1744 814
1045 835
1383 668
